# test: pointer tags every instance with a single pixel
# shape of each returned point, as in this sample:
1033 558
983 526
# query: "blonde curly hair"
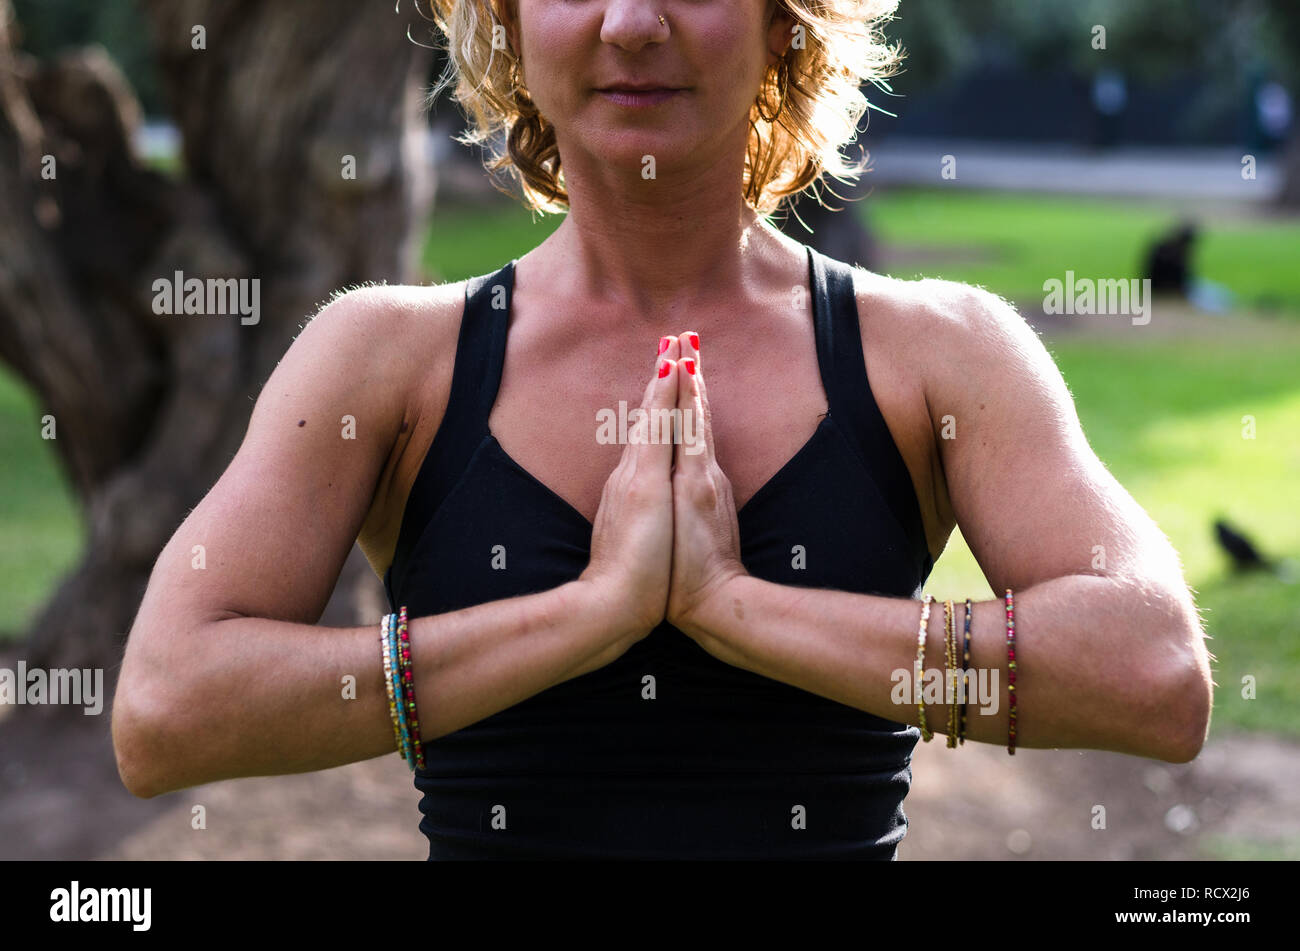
837 48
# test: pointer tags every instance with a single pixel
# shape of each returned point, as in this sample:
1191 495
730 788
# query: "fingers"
693 402
650 434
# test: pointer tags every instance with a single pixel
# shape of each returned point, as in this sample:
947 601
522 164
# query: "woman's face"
714 53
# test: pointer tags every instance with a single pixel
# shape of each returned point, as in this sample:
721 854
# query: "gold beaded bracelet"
965 664
950 670
919 673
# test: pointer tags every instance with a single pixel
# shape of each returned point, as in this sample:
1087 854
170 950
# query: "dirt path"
1243 791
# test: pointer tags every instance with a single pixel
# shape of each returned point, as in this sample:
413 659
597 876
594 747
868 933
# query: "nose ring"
662 21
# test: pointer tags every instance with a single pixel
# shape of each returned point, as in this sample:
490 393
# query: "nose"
632 24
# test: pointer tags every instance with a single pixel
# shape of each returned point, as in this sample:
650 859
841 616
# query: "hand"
632 537
706 531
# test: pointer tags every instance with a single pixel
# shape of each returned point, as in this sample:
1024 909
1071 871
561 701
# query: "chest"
559 388
498 532
564 419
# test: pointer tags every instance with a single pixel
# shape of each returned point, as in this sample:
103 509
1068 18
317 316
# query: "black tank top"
706 760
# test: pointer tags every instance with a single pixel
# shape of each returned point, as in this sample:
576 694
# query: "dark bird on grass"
1169 260
1245 556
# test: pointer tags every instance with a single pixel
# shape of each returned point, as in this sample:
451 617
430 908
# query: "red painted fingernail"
663 344
663 369
695 341
690 366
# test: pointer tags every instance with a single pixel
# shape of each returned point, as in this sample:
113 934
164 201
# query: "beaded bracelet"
396 670
404 742
965 664
385 630
919 672
950 669
416 757
1011 673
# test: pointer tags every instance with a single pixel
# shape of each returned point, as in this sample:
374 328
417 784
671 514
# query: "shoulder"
955 370
940 312
387 322
388 338
962 337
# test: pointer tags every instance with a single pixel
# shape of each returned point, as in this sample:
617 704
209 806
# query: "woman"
625 645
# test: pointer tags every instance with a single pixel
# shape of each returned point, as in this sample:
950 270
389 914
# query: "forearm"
268 697
1100 665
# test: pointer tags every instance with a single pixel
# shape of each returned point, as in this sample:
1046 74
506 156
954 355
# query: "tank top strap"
848 390
476 376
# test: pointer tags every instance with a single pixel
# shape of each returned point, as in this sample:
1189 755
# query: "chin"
629 147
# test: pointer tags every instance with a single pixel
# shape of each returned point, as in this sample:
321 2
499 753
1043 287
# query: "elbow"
131 763
130 748
156 717
1196 721
1170 690
1188 698
140 744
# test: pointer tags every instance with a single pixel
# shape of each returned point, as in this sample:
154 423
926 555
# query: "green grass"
40 528
172 166
467 242
1284 849
1012 243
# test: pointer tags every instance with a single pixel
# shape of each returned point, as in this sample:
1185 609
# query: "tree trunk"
149 408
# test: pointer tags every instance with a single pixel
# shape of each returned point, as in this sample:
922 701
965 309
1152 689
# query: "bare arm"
226 673
1110 651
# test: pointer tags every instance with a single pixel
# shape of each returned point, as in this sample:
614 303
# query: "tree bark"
149 408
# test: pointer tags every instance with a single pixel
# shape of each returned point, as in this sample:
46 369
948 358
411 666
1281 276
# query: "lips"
638 96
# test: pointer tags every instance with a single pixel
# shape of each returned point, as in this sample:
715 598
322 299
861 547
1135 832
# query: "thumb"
650 436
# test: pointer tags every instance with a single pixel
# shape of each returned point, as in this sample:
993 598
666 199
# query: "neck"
653 248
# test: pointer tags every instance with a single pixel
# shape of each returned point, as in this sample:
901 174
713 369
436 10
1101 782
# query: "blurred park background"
1024 140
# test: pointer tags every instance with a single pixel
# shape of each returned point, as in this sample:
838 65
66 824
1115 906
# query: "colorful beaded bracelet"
385 629
395 667
1011 673
416 757
919 673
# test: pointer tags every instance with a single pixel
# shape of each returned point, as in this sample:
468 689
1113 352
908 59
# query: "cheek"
730 54
557 55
